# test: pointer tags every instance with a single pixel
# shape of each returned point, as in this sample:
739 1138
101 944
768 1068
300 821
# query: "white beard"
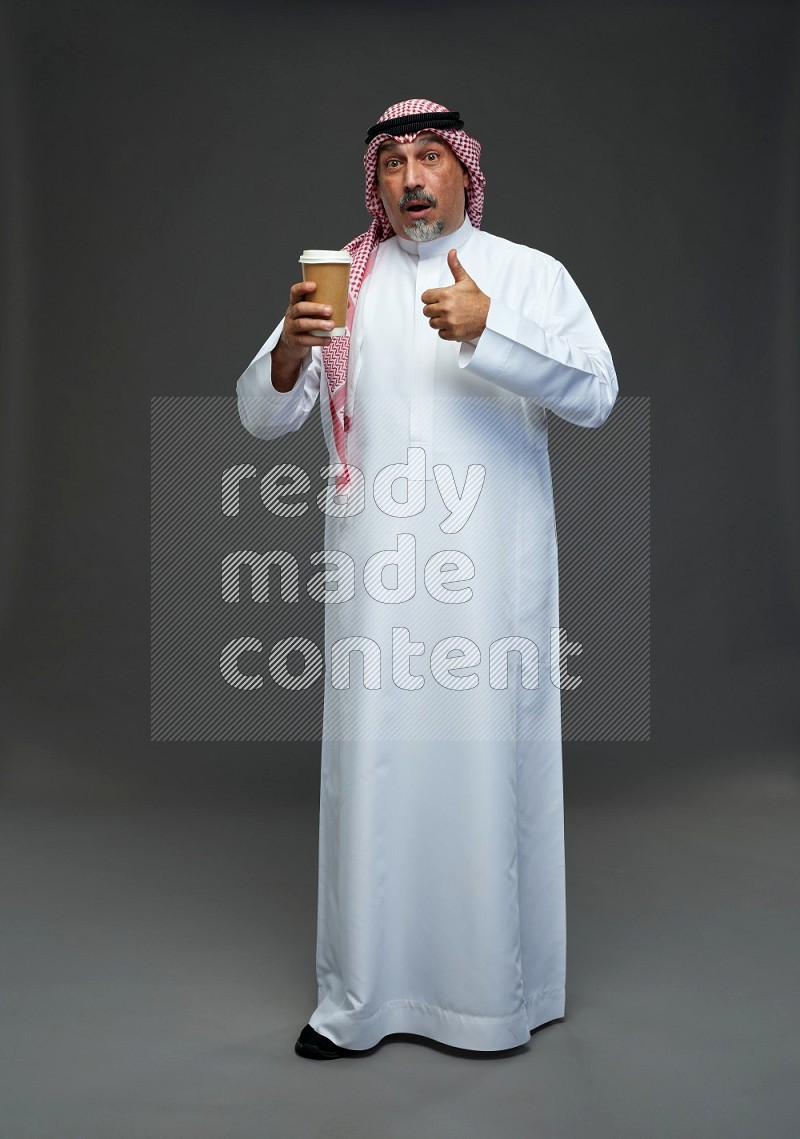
422 230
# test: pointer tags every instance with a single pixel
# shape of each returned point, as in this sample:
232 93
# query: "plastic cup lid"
327 256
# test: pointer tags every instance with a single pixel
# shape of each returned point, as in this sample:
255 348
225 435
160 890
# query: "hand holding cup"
310 323
305 324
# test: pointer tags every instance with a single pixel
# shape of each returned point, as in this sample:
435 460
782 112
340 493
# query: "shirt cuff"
264 373
489 353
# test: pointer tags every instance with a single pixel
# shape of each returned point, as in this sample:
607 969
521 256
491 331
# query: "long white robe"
441 905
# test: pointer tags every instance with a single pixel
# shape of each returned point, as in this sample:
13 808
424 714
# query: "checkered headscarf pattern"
362 249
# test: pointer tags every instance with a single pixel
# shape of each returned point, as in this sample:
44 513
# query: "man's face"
421 185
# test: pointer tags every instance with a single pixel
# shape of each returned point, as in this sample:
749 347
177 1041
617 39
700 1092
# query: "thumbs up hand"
457 311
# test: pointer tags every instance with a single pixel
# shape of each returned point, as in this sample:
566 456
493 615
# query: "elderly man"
441 906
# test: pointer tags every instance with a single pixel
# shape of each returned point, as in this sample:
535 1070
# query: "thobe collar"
440 246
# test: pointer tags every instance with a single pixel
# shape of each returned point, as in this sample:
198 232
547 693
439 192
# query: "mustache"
416 196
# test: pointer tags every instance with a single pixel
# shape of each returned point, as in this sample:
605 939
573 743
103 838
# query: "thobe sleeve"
268 413
562 364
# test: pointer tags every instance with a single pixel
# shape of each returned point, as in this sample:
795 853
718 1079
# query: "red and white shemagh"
362 249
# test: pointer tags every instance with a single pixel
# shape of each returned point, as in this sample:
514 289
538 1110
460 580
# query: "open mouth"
418 207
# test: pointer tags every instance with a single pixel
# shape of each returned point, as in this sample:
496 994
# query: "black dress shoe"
315 1047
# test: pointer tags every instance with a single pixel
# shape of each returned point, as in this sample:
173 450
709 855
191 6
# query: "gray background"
161 166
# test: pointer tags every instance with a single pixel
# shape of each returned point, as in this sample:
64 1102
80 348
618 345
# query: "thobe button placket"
420 425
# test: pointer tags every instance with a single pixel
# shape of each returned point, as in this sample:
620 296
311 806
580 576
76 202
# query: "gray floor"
158 963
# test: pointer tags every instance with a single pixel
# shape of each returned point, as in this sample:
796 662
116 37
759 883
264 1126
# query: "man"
441 907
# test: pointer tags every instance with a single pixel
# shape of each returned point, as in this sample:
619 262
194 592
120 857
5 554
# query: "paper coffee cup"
329 269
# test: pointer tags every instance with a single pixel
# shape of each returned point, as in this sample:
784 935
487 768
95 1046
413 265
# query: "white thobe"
441 903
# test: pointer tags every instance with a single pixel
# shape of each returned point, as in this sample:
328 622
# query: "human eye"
432 154
390 163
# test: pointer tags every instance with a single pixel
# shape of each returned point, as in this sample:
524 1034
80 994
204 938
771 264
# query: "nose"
414 174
